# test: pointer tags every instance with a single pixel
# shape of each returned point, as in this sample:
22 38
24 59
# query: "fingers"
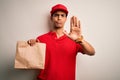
74 22
31 42
79 24
37 40
71 23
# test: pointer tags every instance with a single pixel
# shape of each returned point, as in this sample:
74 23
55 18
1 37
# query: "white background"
100 22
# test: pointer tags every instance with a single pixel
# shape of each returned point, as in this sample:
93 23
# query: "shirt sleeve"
39 38
79 48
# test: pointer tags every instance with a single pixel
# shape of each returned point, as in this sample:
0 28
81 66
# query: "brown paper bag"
30 57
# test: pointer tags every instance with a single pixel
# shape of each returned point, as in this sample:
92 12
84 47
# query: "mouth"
58 23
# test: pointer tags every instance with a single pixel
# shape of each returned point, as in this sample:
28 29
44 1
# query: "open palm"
75 30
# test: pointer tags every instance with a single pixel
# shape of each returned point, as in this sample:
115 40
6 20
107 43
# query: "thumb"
66 33
37 40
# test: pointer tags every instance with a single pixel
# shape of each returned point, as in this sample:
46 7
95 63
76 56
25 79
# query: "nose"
59 17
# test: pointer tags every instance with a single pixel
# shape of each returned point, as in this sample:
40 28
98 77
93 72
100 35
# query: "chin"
58 26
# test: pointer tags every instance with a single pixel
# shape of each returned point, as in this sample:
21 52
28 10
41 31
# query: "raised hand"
75 29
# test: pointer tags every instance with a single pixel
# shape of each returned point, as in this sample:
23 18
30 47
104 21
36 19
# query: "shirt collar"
53 34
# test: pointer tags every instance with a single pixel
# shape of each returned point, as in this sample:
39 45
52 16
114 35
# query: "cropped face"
59 19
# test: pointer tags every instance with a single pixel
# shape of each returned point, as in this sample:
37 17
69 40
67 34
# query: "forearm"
75 34
87 48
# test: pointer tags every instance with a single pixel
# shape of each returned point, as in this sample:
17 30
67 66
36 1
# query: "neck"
59 32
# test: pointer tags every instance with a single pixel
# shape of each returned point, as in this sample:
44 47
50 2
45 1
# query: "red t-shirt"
60 58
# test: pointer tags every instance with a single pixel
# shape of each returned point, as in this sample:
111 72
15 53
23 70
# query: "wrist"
79 39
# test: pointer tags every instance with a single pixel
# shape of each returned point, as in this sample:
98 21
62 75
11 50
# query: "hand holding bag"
30 57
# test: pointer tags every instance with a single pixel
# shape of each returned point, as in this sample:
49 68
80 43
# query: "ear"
51 18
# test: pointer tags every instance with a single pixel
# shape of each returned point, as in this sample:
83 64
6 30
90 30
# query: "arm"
75 34
87 48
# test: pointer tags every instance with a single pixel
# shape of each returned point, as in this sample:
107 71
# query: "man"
62 47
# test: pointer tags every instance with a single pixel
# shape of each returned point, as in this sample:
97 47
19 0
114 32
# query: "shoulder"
44 36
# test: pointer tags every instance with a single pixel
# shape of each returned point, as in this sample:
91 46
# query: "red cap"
58 7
